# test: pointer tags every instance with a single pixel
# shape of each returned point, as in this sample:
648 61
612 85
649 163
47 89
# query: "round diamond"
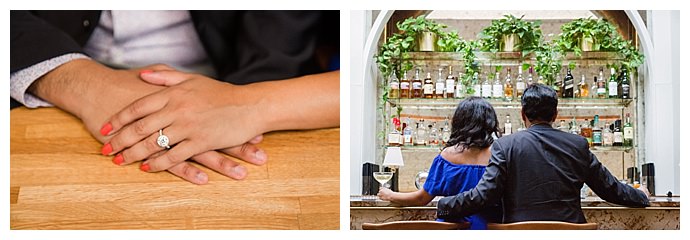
163 141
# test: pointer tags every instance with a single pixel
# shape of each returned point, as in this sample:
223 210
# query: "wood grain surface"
59 180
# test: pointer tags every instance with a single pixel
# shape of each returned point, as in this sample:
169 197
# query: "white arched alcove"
656 128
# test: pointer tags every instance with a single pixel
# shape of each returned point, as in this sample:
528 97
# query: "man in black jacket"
89 63
538 173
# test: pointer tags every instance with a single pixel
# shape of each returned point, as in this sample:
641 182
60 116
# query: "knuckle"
139 128
136 108
224 165
188 170
151 146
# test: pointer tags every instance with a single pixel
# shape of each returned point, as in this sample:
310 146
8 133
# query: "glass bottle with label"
394 134
460 88
433 135
428 86
530 77
405 85
625 85
574 127
520 84
613 85
596 132
601 87
508 126
508 87
558 85
407 133
486 87
607 135
445 133
417 85
627 132
476 85
440 84
421 134
617 133
583 91
497 89
394 87
450 83
586 131
568 85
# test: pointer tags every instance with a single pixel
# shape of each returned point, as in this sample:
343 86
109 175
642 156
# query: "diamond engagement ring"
162 140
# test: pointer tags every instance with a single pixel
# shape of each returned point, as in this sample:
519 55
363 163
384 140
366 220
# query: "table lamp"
393 158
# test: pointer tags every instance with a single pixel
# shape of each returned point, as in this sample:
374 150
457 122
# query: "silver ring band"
163 140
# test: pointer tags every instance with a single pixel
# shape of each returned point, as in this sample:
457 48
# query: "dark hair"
474 122
539 103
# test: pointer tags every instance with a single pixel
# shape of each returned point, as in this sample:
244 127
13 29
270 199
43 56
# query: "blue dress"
448 179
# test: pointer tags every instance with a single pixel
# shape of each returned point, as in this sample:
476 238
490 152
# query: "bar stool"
415 225
542 225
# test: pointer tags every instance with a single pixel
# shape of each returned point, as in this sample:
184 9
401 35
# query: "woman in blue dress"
461 163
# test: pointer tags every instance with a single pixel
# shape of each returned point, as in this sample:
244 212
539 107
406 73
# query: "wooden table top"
59 180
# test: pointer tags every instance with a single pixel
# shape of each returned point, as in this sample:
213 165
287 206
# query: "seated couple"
532 175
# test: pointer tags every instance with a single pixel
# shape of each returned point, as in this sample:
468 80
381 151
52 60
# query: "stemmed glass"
383 178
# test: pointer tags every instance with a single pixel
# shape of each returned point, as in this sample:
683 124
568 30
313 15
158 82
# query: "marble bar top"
589 202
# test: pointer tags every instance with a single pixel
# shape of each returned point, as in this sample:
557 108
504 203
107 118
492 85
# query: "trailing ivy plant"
548 61
603 34
528 31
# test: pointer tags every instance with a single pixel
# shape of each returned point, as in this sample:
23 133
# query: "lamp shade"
393 157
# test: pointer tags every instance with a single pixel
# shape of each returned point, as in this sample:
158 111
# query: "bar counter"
663 213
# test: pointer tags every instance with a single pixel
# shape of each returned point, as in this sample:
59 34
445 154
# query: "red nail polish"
145 71
144 167
106 129
107 149
118 159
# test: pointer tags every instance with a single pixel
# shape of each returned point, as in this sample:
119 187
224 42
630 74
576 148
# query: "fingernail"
106 129
202 177
145 167
118 159
145 71
260 155
107 149
240 171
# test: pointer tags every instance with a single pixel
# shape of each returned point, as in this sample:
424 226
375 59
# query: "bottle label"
617 137
428 89
607 139
626 90
498 90
628 132
439 88
404 85
395 86
596 137
408 138
416 85
508 129
486 90
520 86
613 89
450 86
393 138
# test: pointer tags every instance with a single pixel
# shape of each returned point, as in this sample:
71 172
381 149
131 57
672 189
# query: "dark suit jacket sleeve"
32 40
487 192
606 186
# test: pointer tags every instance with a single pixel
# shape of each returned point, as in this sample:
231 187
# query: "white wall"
360 22
662 100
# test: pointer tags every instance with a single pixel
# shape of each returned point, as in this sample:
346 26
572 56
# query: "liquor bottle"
530 77
586 131
421 134
508 87
520 84
596 132
607 136
601 87
440 84
450 84
394 91
414 134
394 134
563 126
584 88
407 133
617 134
416 85
508 126
486 87
558 85
498 87
625 85
613 85
574 128
593 88
460 88
627 132
433 135
405 87
568 85
476 85
428 86
445 133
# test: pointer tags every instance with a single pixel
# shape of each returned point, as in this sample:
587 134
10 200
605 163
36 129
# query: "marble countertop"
589 202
